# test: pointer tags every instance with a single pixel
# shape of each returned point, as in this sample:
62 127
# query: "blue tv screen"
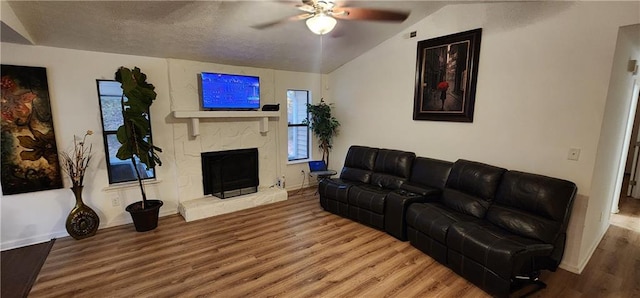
229 92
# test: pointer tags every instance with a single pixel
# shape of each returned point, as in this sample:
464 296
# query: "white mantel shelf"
195 116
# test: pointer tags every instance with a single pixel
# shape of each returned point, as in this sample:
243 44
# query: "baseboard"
300 186
571 268
61 234
584 261
127 219
32 240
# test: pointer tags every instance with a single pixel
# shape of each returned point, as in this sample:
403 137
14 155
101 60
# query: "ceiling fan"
321 15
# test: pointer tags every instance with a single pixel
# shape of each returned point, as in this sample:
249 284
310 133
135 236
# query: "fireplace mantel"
195 116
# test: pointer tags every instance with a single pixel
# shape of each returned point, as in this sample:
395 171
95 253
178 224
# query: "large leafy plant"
134 133
323 125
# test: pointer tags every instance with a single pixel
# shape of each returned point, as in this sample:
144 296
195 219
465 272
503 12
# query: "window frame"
301 124
106 133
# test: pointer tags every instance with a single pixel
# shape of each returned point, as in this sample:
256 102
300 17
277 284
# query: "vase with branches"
75 162
323 125
82 221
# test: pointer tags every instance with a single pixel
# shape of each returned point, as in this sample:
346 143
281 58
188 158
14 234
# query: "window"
109 93
297 101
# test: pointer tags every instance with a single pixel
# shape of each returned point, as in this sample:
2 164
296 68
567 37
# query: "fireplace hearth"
230 173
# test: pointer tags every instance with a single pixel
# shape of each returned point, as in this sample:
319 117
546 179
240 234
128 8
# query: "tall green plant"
323 125
133 134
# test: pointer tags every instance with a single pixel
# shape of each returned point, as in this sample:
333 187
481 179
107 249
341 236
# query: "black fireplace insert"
230 173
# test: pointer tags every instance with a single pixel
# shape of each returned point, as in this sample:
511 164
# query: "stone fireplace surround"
217 132
219 135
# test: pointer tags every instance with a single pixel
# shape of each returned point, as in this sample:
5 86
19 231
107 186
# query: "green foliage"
323 125
134 133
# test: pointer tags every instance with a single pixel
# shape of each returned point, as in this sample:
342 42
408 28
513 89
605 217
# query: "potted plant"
323 125
133 135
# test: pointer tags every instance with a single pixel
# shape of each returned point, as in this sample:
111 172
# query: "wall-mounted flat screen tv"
226 92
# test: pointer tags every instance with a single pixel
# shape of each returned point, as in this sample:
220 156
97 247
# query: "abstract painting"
28 150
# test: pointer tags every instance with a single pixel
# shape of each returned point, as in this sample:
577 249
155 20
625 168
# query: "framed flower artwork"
446 76
29 153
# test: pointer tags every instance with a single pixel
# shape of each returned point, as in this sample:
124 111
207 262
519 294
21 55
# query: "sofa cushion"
334 195
430 172
499 250
471 187
358 164
464 203
434 219
392 168
368 197
336 189
531 205
366 217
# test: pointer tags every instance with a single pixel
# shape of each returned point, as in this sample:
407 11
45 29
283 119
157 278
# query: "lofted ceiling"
208 31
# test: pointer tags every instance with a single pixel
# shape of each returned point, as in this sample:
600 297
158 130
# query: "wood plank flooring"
629 215
291 249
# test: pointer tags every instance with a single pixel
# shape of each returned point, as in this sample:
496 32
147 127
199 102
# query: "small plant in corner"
323 125
133 135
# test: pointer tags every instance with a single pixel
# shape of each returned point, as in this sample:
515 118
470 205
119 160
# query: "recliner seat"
524 231
358 167
470 188
366 201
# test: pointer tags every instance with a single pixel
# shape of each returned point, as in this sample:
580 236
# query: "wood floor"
629 215
292 249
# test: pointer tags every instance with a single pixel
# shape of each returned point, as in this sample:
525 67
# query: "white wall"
36 217
300 81
542 86
39 216
607 174
227 134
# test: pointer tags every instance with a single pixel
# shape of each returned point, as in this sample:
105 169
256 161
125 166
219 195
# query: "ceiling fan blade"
357 13
304 2
282 21
306 8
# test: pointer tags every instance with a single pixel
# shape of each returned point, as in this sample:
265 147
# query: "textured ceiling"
209 31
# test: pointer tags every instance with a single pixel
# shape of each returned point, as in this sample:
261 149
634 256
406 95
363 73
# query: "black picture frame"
446 77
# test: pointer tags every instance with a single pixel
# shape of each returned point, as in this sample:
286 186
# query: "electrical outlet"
115 201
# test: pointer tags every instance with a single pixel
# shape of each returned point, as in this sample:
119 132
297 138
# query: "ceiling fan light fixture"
321 24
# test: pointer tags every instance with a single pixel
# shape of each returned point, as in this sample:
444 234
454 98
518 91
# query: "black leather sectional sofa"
495 227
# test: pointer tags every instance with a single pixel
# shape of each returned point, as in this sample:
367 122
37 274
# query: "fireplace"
230 173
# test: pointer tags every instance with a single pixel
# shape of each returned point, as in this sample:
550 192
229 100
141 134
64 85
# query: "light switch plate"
574 154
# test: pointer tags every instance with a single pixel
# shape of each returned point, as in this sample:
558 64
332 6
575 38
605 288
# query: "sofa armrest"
396 205
429 193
